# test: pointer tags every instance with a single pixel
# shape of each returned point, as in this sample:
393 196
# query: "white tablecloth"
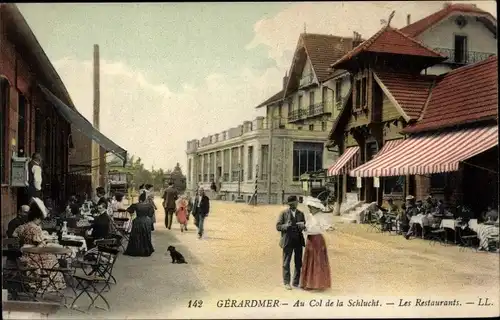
75 250
449 224
484 232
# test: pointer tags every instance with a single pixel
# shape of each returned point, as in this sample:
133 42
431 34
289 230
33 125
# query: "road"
240 259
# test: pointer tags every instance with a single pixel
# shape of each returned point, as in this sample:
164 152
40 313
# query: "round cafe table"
49 271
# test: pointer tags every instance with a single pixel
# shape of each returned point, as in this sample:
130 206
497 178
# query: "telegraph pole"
96 157
269 158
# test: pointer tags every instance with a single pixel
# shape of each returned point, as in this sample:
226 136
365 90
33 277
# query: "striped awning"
388 145
346 162
430 153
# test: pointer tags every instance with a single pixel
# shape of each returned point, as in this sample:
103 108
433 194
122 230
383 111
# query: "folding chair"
91 266
437 236
120 226
17 277
88 283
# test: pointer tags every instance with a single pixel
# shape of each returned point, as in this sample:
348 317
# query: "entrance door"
371 192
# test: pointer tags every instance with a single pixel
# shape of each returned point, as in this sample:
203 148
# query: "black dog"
177 257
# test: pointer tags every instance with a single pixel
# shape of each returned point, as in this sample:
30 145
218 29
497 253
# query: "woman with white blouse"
315 273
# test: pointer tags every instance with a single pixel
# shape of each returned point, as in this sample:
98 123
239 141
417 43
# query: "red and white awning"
388 145
346 162
430 153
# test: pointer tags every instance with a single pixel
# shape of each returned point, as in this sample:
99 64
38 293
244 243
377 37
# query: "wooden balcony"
314 110
467 57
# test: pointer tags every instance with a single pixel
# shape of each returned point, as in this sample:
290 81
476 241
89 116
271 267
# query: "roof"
393 41
422 25
465 95
409 90
51 78
323 50
274 98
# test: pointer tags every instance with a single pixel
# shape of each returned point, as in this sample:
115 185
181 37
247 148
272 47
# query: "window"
460 49
311 98
438 181
38 131
300 102
338 91
4 104
394 184
371 151
189 171
264 161
21 125
323 126
325 94
363 92
234 164
250 163
358 94
311 127
307 157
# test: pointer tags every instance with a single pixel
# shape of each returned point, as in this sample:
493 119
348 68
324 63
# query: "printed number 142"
195 303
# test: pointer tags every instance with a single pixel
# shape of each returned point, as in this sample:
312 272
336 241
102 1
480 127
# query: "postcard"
249 160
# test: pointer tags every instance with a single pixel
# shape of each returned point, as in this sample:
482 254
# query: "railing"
306 80
312 111
467 57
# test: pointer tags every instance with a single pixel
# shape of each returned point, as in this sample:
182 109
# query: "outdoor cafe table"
58 251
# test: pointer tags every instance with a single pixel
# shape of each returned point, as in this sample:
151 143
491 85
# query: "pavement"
239 258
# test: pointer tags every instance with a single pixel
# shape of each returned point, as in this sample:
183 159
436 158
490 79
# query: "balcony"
306 80
311 111
468 58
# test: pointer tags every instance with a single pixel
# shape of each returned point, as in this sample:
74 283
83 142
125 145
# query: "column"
202 169
230 165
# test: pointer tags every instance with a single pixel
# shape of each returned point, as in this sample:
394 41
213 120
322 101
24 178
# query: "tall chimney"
408 19
285 80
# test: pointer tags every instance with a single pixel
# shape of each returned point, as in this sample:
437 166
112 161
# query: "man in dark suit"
169 197
291 223
201 208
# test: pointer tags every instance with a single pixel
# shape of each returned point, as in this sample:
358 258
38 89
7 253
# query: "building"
391 98
462 32
37 115
300 114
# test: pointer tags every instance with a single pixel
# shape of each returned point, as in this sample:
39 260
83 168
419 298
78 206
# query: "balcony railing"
306 80
311 111
467 57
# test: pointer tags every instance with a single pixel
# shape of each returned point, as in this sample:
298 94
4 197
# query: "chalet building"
463 33
37 115
301 114
406 132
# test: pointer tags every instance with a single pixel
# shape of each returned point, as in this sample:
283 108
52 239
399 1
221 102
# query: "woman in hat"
315 267
31 233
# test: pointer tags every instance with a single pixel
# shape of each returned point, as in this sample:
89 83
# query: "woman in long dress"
31 233
315 273
140 244
182 212
150 196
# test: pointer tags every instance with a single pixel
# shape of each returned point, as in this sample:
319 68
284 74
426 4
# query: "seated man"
372 211
20 219
430 204
491 215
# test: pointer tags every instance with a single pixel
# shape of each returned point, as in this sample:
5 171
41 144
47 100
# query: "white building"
302 113
462 32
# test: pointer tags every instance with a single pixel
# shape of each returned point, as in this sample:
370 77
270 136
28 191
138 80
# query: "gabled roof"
274 98
390 40
465 95
410 91
321 50
424 24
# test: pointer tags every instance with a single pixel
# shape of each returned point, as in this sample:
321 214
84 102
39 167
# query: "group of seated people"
430 212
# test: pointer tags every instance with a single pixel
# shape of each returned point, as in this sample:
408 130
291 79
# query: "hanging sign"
376 182
358 182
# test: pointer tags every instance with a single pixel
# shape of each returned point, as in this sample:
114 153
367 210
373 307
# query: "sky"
172 72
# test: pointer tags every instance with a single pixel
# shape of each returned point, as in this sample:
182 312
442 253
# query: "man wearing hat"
291 223
20 219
